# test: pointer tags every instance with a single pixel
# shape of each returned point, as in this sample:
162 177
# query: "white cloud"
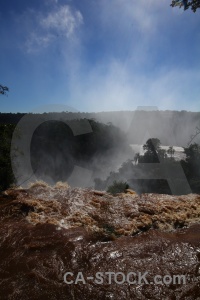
117 84
144 15
61 21
35 42
120 89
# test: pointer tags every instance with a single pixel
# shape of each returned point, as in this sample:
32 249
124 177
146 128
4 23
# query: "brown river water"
46 232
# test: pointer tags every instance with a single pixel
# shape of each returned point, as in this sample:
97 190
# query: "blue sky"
100 55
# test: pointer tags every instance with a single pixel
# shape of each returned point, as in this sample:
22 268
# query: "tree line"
55 150
155 155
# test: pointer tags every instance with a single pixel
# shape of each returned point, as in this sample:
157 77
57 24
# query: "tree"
193 4
6 172
117 187
193 160
152 145
171 151
3 89
194 135
152 148
162 154
191 166
126 168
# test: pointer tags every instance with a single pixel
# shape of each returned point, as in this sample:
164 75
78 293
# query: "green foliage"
132 169
55 149
171 151
6 173
152 145
3 89
152 151
191 164
193 4
117 187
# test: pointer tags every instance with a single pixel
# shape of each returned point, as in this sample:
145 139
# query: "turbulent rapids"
48 231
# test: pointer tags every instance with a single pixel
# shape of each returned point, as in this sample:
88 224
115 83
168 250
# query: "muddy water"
46 232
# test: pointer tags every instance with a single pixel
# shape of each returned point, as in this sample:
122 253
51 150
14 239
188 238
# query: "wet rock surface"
48 231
